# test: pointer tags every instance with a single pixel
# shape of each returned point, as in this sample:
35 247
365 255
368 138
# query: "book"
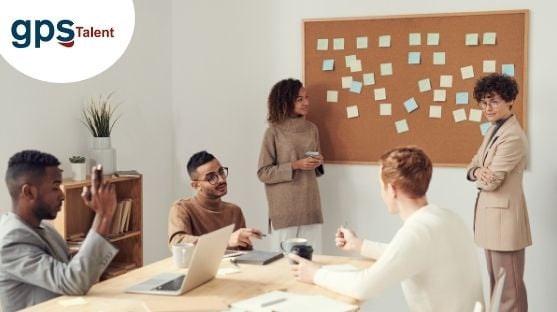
258 257
127 173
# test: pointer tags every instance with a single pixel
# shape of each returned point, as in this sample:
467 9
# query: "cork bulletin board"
380 82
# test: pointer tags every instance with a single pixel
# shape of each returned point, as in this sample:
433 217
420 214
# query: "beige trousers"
514 291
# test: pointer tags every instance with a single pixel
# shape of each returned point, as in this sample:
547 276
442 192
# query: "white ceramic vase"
103 153
79 171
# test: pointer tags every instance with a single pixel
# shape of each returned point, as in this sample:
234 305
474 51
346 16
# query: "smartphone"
312 153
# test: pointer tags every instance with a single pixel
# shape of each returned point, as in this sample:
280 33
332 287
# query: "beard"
43 211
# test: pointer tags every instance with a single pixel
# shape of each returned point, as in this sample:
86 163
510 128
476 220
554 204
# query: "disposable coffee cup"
305 252
181 253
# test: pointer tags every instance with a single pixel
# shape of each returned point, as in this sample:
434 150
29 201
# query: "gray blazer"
33 270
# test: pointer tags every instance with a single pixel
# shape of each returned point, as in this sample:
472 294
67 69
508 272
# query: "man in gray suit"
501 223
34 259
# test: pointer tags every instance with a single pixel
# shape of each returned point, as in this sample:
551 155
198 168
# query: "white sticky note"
413 58
467 72
356 66
352 111
346 82
401 126
349 59
439 95
471 39
414 39
322 44
432 38
356 87
328 64
438 58
489 38
380 94
386 69
424 85
459 115
384 41
361 43
385 109
332 96
369 79
475 115
507 69
338 44
435 111
484 127
489 66
462 97
446 81
410 105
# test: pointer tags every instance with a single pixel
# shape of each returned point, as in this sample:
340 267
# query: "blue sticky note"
462 98
413 57
410 105
508 69
328 64
356 87
484 127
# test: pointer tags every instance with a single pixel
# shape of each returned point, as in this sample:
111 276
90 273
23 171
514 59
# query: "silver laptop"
203 267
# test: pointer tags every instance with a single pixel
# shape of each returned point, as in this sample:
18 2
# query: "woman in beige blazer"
501 224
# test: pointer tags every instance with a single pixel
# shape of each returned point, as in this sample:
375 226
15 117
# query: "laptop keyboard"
174 284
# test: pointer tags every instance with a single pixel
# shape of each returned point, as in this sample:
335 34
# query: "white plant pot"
79 171
102 153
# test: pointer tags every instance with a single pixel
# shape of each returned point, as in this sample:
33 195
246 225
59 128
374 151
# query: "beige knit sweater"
292 195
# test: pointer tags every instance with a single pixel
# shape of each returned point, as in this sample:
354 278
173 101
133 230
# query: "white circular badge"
64 41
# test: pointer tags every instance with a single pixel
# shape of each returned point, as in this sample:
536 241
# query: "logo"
64 41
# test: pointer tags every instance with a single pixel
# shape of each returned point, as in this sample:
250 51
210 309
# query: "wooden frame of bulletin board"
431 60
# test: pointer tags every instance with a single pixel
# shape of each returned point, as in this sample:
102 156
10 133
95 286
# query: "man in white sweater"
432 255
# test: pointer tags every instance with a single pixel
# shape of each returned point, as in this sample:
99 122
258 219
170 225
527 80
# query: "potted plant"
79 168
99 118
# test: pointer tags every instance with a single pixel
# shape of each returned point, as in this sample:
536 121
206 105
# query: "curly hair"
503 85
25 166
196 160
407 168
282 98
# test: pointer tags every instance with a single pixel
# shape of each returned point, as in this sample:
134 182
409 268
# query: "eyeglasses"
213 177
491 102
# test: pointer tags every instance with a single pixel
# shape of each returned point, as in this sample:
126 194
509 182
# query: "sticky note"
356 66
356 87
424 85
507 69
380 94
438 58
328 64
489 66
410 105
369 79
467 72
475 115
386 69
348 59
384 41
401 126
332 96
489 38
435 111
462 97
439 95
413 57
414 39
432 38
385 109
484 127
338 44
346 82
471 39
459 115
446 81
361 43
322 44
352 111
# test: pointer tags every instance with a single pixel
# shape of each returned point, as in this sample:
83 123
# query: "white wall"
46 116
227 55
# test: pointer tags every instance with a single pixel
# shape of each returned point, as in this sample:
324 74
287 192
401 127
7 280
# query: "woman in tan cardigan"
289 164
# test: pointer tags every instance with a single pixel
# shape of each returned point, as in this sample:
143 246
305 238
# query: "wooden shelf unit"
75 218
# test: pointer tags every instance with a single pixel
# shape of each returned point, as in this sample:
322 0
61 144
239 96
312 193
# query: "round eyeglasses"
483 104
213 177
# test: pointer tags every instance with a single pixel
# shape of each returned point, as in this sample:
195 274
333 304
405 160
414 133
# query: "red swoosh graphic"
67 44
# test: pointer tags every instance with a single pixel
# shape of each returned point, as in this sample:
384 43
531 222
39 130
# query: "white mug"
182 253
287 244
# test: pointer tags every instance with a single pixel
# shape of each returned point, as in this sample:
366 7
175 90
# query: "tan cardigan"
292 195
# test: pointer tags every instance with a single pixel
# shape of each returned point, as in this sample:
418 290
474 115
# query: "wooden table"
214 295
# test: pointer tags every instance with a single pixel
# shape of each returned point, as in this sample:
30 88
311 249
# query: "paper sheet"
385 109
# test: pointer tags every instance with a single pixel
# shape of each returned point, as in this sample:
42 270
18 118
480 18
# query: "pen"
268 303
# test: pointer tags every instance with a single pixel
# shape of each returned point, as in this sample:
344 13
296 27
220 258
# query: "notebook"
258 257
291 302
203 267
